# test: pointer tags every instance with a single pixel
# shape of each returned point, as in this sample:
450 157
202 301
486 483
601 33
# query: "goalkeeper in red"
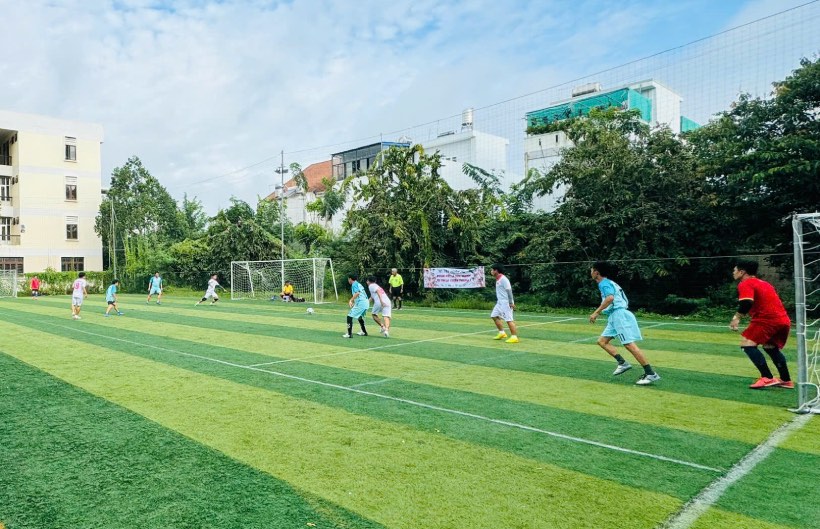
770 325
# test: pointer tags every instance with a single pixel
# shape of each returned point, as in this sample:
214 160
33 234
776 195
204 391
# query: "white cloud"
200 88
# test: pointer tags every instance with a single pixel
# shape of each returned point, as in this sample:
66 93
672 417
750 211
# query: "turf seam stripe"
433 407
393 345
697 506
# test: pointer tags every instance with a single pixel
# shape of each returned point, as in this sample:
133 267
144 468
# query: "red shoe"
764 382
788 384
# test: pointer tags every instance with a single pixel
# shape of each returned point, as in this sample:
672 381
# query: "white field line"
694 508
394 345
482 360
433 407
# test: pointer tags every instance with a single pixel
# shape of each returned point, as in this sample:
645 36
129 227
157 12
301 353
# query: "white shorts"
503 311
385 311
77 301
210 294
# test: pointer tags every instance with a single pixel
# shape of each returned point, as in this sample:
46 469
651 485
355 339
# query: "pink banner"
454 277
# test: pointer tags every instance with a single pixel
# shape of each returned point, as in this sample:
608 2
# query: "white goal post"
8 283
265 279
806 229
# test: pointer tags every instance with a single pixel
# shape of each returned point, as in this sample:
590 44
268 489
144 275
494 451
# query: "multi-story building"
657 104
50 193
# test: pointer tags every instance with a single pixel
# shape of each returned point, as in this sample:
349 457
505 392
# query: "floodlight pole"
281 170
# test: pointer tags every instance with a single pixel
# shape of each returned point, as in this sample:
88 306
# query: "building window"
356 165
5 229
12 263
71 149
5 188
71 228
72 264
71 188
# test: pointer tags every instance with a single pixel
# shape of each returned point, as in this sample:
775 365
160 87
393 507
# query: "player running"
111 298
358 306
381 305
620 322
504 305
78 294
210 292
770 325
154 287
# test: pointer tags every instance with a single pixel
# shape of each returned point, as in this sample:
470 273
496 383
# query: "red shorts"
765 332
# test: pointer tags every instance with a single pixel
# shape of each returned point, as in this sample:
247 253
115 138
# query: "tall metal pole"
112 243
282 172
800 311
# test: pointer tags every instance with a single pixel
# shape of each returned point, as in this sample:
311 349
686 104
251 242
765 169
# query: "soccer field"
251 414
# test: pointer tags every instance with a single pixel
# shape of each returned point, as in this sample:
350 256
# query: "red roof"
314 173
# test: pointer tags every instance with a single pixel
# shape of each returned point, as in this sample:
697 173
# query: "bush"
54 283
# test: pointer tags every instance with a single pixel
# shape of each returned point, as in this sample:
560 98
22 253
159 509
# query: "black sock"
620 359
648 369
361 324
758 360
349 325
779 360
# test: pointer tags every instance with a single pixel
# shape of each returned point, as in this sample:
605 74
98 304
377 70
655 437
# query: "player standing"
381 305
396 287
504 305
770 325
210 292
358 306
154 287
620 322
111 297
79 293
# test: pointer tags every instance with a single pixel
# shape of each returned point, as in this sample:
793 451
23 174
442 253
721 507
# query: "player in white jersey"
78 294
210 292
504 305
381 305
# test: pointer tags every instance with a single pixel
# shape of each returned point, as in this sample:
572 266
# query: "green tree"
406 215
236 234
194 218
631 194
765 155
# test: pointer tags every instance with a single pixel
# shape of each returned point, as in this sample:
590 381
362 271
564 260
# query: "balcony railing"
9 240
5 159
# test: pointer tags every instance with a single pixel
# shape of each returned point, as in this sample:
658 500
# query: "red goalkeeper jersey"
766 304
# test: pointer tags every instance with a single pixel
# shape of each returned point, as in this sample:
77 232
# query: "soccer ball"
310 310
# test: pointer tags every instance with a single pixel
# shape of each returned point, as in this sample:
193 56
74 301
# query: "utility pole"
281 170
112 243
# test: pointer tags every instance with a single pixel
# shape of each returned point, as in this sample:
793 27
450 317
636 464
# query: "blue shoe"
119 313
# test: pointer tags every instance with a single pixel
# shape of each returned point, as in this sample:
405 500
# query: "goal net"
8 283
265 279
807 307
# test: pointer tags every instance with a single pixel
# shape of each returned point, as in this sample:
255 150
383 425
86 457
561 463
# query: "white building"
50 180
657 104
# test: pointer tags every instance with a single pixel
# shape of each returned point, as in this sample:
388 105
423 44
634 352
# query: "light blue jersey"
361 300
155 283
110 293
611 288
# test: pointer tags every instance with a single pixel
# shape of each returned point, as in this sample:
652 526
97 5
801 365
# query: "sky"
207 93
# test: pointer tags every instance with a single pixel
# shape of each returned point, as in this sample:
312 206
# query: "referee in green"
396 288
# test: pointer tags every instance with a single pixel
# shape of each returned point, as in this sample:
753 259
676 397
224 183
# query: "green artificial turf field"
251 414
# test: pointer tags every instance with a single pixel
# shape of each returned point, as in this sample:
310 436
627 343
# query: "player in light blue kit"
358 306
620 322
111 298
154 287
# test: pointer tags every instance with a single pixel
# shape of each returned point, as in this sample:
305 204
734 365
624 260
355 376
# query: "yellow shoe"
500 336
513 339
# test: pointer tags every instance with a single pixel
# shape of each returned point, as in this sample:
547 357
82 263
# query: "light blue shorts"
358 311
622 324
154 291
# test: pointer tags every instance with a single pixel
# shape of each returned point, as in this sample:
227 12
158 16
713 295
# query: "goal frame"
318 270
807 290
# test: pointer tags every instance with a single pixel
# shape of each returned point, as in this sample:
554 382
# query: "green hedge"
59 283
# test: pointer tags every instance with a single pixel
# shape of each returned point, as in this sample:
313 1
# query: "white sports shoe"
361 333
76 317
622 368
387 334
346 336
645 380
